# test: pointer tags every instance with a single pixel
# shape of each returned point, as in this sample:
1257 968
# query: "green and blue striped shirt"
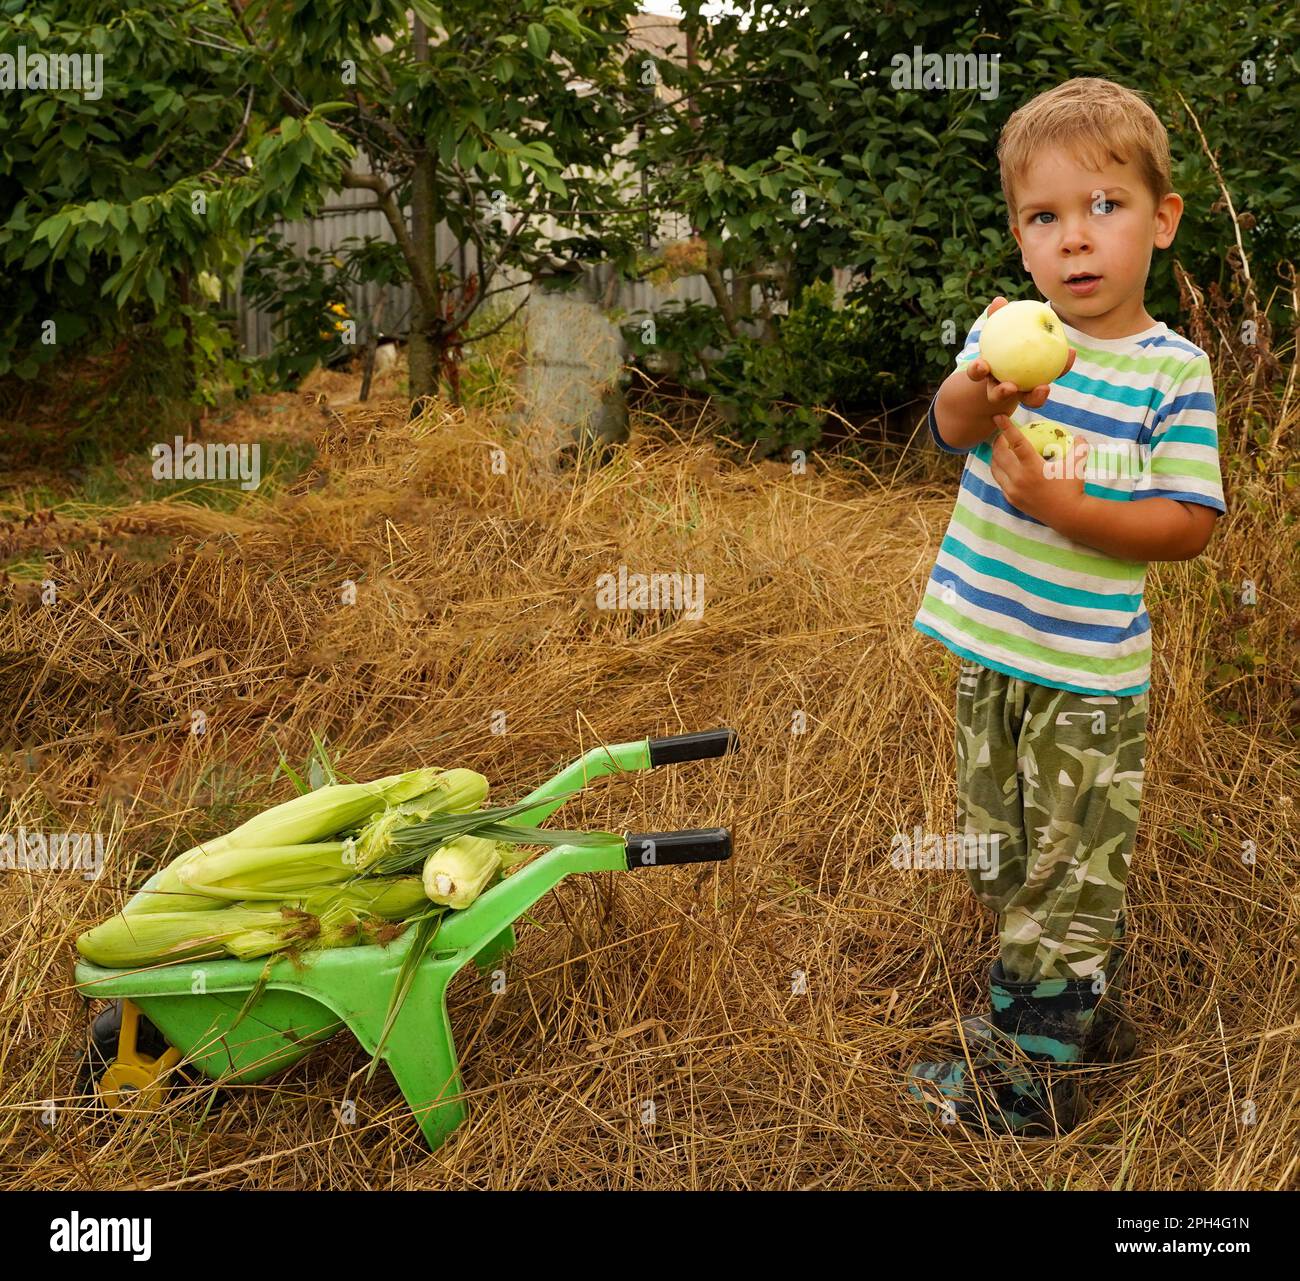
1011 593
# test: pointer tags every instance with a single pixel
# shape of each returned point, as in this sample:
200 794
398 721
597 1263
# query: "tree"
119 193
490 116
216 118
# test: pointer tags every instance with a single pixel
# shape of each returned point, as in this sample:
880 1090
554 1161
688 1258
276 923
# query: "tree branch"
487 333
239 133
384 198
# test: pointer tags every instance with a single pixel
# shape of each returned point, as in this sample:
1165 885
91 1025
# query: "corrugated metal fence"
346 216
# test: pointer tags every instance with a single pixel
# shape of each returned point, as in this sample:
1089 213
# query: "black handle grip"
657 849
693 747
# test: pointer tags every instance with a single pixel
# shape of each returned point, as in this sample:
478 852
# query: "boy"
1038 588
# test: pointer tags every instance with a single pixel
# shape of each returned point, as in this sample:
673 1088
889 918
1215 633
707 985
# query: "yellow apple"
1024 343
1049 440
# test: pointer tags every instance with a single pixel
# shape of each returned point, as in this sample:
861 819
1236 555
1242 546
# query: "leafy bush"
809 146
776 391
113 199
307 294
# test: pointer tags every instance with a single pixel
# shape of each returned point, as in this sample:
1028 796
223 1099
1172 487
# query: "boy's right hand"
1004 397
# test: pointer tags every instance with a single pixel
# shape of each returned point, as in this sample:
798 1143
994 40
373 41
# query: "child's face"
1104 224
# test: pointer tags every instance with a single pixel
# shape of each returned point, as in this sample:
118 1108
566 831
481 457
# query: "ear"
1168 213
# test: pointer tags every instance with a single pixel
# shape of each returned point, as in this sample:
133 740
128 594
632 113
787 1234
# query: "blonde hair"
1096 118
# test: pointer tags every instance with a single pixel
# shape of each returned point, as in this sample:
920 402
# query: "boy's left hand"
1051 496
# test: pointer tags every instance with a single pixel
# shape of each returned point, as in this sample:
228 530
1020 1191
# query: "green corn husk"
336 916
124 941
290 928
459 791
169 894
329 810
268 874
392 898
455 874
327 917
314 816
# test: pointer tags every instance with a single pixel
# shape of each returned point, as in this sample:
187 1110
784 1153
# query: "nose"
1074 237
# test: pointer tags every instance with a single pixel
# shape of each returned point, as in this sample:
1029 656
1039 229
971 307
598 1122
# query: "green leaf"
322 135
300 786
539 40
53 227
806 58
469 150
565 18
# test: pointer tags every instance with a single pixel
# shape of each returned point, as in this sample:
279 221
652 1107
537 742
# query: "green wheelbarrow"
237 1022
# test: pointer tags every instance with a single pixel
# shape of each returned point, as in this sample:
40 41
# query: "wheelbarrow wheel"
103 1049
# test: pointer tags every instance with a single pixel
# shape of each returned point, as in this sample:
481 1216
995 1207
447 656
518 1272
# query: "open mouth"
1082 282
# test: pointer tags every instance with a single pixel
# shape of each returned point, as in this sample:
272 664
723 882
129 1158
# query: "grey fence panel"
336 223
342 218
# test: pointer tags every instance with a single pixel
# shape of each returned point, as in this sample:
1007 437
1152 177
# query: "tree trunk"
718 286
425 348
189 381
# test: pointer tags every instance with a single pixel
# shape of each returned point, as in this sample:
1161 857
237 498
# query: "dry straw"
763 1008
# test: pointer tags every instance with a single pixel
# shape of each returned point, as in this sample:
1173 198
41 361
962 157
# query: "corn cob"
314 816
392 898
124 941
455 874
459 791
329 916
267 874
328 810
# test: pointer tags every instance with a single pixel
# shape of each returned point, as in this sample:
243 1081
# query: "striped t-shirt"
1011 593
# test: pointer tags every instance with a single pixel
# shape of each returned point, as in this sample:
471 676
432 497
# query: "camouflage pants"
1057 777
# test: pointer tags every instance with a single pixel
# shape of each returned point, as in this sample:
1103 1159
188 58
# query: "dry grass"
475 596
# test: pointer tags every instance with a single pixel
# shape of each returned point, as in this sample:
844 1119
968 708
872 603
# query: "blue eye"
1043 214
1097 208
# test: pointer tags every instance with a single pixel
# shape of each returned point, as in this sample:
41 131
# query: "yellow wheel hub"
133 1077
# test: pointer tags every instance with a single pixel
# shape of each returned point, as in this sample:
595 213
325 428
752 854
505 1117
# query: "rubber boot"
1017 1080
1111 1037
